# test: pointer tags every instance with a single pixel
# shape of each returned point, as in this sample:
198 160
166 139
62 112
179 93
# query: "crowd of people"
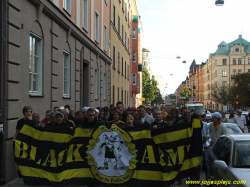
153 118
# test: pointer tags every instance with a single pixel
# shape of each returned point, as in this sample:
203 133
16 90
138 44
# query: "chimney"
240 36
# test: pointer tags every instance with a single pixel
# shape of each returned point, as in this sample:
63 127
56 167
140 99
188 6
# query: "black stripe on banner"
172 128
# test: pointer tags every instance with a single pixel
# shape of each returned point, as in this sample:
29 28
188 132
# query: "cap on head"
134 109
105 108
97 110
60 114
84 109
199 112
217 115
61 108
53 114
239 111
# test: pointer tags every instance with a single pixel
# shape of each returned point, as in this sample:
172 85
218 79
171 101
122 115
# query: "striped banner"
137 156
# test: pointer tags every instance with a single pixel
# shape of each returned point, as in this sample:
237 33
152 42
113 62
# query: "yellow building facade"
120 50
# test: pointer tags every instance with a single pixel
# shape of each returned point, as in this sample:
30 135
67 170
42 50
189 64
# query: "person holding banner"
116 115
27 112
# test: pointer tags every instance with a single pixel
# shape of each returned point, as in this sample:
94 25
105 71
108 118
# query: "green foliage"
185 93
222 94
149 86
242 89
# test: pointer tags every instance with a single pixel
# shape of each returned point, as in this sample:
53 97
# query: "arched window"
36 60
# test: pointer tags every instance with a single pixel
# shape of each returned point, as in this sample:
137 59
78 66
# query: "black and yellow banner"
56 156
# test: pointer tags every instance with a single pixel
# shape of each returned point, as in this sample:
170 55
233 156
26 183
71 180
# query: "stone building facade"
49 59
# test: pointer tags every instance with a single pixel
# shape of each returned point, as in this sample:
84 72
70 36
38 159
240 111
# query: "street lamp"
219 2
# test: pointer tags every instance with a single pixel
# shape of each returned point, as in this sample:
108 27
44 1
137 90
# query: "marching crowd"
148 117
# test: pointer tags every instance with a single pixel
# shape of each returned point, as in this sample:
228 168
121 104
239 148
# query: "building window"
114 15
248 60
104 87
125 10
118 94
134 56
122 65
239 61
35 65
234 71
224 83
215 73
224 61
134 79
85 14
122 31
113 99
134 33
125 69
125 38
96 27
113 56
208 96
119 32
122 96
224 73
248 70
96 84
123 5
66 74
208 86
118 57
105 38
239 71
234 61
67 5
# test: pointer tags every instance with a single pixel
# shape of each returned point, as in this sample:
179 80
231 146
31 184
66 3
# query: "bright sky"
190 29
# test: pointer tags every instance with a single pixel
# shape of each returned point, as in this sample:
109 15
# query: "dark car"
229 160
232 113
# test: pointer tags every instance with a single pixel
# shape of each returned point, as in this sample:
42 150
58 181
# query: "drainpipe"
229 81
3 5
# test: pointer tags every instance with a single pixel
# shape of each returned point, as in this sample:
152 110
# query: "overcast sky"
190 29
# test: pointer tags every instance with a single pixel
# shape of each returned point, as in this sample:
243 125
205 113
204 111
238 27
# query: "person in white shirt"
144 115
216 128
240 120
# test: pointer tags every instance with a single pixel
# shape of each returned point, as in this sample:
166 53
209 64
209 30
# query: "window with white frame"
125 69
134 33
104 87
35 65
224 83
66 74
96 27
134 56
125 38
96 84
105 38
67 5
85 15
134 79
224 73
122 31
119 25
118 60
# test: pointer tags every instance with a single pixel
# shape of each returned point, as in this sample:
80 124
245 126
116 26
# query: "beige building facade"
120 51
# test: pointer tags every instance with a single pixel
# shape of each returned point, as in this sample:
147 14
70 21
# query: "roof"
224 48
239 137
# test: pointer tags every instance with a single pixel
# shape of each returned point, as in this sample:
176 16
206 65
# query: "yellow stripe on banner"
173 136
46 136
55 177
148 175
196 123
83 133
188 164
140 134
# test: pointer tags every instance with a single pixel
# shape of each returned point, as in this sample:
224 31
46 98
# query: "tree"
158 98
242 89
185 93
149 86
146 86
222 94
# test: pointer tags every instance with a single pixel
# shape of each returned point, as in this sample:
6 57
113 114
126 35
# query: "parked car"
229 159
244 113
231 129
